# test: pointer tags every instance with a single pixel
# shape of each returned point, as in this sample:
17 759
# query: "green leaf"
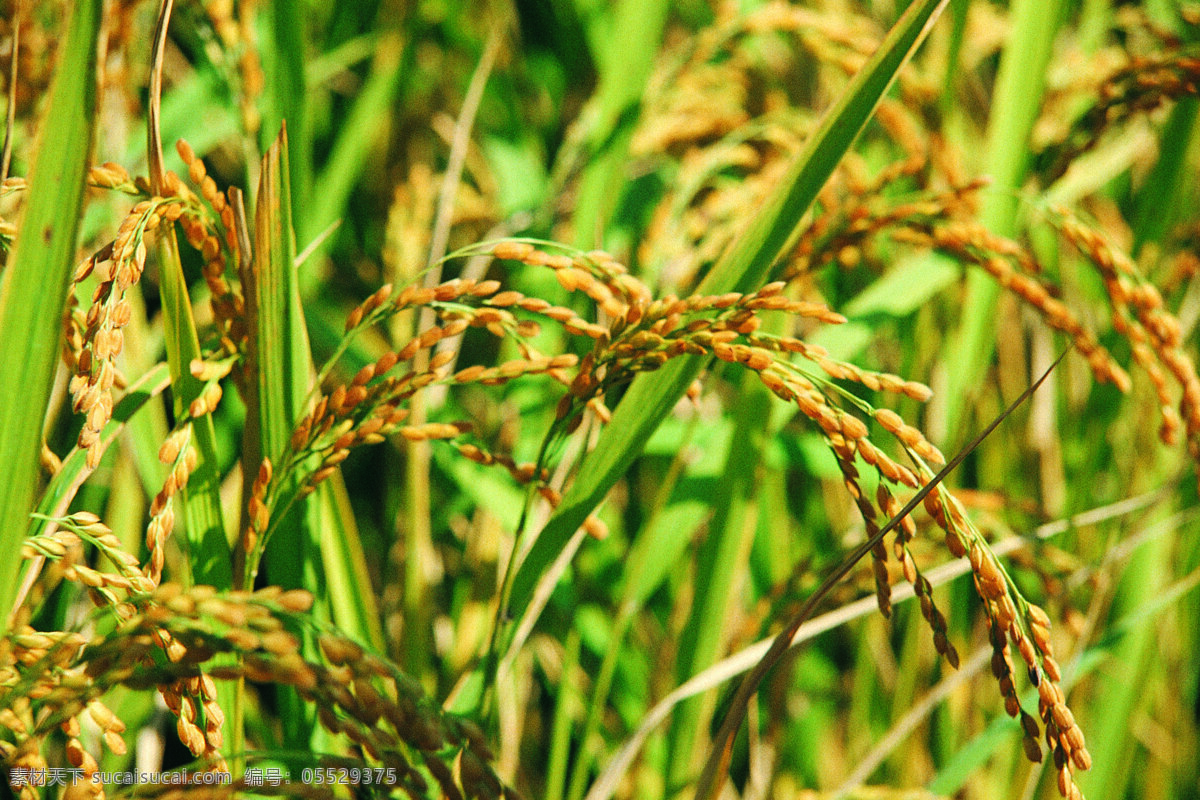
347 578
1015 105
625 66
204 530
285 53
724 554
277 354
34 286
906 288
356 138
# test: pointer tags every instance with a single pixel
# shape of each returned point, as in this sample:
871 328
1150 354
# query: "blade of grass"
285 53
280 367
744 266
723 555
279 359
563 720
347 578
356 137
958 13
1122 685
655 551
1156 203
277 353
317 547
418 533
918 712
34 284
625 68
1015 104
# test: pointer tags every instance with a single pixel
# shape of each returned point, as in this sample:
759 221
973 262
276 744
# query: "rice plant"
486 400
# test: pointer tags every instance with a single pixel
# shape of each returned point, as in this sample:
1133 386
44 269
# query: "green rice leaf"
34 284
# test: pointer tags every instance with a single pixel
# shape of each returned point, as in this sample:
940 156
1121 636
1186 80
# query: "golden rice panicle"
50 545
111 176
26 756
932 614
597 274
364 311
79 758
198 174
648 334
1133 89
905 530
875 381
176 453
204 693
1014 624
258 519
110 725
227 304
850 478
888 469
119 267
879 568
1002 668
1030 634
357 693
857 215
221 16
206 402
96 374
522 473
1155 334
63 544
1015 269
212 369
74 323
183 706
368 409
249 67
433 430
912 439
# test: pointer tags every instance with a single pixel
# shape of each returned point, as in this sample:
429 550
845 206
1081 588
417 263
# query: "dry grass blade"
153 131
912 718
